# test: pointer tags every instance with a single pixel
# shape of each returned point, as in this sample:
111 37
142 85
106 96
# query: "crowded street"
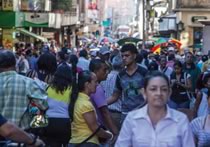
104 73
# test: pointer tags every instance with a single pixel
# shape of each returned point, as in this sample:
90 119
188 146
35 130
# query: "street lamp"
180 28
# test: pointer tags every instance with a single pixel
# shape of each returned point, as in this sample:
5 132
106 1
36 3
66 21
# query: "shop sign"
33 5
196 18
8 38
48 35
36 19
7 5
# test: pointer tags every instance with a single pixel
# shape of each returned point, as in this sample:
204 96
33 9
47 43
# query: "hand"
39 143
114 140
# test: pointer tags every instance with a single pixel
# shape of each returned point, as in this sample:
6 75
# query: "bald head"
7 59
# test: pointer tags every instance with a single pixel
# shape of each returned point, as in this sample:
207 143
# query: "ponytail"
74 90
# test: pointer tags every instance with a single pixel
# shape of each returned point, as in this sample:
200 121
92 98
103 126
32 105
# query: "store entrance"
197 38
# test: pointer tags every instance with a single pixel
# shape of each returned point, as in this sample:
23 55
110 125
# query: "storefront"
11 21
190 12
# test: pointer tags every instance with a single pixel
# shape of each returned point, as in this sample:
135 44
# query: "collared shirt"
14 93
83 63
80 129
171 131
198 128
109 86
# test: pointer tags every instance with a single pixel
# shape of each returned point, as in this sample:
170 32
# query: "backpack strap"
185 82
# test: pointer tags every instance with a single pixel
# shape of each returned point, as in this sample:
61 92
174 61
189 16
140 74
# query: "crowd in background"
107 95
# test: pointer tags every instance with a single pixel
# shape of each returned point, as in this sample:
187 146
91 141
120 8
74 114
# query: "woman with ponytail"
85 130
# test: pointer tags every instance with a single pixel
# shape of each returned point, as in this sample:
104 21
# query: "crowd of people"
114 96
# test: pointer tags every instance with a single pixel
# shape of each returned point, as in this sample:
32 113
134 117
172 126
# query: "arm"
115 96
116 93
108 120
9 130
91 121
197 103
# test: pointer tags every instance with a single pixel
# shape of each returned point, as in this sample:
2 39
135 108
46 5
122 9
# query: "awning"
26 32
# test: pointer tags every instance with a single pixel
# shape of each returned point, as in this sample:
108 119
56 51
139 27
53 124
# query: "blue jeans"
174 105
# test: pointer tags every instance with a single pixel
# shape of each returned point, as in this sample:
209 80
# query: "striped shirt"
109 86
197 126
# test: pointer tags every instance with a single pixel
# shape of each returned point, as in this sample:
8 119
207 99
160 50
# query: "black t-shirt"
2 120
179 93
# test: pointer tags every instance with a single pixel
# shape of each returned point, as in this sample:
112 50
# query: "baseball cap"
117 61
104 50
171 48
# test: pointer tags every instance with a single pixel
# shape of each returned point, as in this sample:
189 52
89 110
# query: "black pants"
87 144
57 133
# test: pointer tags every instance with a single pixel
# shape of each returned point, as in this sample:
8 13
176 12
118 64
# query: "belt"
114 111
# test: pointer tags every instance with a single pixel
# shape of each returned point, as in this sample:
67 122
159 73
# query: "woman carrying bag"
181 85
85 129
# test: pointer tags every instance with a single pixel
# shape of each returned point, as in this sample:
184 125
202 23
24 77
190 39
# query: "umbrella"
107 39
127 40
176 42
157 48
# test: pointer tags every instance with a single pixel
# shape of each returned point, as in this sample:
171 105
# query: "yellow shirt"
80 129
58 96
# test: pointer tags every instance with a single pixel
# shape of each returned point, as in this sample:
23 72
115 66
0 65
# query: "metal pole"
144 18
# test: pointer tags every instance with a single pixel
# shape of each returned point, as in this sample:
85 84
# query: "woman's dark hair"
62 78
78 82
47 63
153 74
83 53
153 66
178 63
78 85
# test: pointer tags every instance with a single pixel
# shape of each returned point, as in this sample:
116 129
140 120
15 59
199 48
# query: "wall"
206 36
186 17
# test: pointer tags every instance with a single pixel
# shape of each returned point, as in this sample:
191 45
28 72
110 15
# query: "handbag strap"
91 136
